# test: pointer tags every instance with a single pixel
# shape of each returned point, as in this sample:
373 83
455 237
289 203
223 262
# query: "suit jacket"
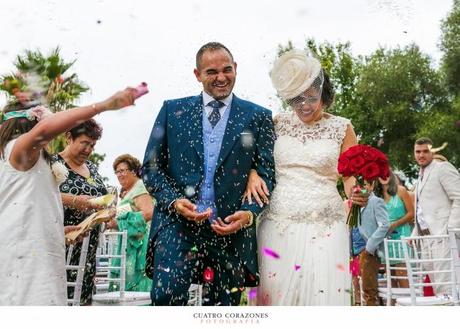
374 224
173 165
438 194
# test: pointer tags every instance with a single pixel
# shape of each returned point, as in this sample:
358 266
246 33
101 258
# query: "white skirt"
313 264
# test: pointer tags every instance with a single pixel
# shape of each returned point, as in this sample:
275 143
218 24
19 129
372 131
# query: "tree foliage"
47 79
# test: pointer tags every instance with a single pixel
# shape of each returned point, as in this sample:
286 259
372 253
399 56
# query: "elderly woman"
82 184
32 270
136 211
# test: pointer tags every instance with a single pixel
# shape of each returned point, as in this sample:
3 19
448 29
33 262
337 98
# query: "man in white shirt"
437 199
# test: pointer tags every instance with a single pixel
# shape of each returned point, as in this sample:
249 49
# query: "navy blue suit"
173 169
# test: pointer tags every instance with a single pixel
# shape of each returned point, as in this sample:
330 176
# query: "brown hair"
13 128
90 128
392 186
423 141
328 93
133 163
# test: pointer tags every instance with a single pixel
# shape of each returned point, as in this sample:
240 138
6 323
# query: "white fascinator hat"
294 72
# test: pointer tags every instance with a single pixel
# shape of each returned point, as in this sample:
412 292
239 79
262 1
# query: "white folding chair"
80 269
121 297
105 247
431 254
394 256
195 295
454 233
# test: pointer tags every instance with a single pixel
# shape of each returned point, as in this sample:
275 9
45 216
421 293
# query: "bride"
302 236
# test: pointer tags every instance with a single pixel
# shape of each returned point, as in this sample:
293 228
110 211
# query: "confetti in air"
297 267
271 253
208 275
340 267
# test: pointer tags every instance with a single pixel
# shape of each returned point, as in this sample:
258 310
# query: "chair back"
430 255
106 254
195 295
79 269
454 238
394 257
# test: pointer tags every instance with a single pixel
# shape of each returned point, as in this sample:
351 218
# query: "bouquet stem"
354 216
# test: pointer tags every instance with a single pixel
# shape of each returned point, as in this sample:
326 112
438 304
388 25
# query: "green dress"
138 234
396 210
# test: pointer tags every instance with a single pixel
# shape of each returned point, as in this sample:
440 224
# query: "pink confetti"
340 267
252 293
208 275
349 203
296 267
271 253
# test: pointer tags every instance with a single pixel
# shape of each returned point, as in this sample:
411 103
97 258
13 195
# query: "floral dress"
78 185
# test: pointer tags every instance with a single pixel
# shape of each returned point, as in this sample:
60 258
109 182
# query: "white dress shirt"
208 109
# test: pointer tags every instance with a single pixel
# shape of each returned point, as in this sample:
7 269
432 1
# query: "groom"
196 165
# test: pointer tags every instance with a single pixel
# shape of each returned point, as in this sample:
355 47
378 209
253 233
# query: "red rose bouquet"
365 163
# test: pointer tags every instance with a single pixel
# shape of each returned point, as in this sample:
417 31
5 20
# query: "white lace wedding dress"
305 223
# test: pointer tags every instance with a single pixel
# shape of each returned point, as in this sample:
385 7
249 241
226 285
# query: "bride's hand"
256 188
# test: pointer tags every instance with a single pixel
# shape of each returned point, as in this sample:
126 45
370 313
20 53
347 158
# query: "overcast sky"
119 43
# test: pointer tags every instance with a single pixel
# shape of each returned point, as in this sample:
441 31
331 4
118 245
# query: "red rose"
370 155
384 172
353 151
356 164
370 172
343 167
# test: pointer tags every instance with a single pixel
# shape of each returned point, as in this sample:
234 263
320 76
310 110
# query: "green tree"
398 91
441 127
450 46
46 78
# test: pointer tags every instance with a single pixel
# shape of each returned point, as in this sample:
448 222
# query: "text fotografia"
230 317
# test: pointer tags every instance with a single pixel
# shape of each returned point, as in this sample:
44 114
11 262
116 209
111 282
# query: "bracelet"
73 201
250 218
93 106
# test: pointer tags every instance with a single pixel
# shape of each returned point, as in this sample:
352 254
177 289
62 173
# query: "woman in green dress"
400 208
136 211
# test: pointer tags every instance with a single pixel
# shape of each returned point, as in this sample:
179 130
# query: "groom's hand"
187 209
232 223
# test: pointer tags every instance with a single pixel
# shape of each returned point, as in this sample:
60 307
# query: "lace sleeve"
341 125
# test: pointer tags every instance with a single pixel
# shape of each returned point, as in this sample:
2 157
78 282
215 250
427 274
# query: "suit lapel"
195 125
237 120
428 171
